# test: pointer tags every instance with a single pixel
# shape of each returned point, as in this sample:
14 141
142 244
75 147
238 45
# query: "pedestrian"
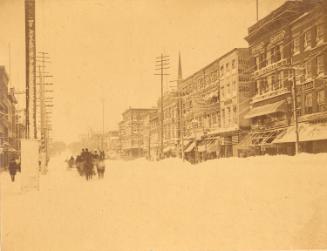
101 168
12 169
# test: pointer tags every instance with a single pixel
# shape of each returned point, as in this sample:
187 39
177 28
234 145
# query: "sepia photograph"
163 125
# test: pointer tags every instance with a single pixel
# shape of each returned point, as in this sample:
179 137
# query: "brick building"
200 112
270 42
309 59
131 131
236 89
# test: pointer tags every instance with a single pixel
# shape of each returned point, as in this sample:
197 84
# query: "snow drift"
257 203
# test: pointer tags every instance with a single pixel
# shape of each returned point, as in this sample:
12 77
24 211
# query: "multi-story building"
154 136
309 62
150 136
236 89
215 100
200 112
4 123
270 42
131 131
9 143
170 123
112 144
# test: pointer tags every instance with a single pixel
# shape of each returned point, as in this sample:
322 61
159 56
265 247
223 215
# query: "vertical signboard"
29 164
30 69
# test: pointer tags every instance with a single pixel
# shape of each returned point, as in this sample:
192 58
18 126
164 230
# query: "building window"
223 117
264 86
320 65
275 54
321 100
222 71
235 114
228 89
214 118
320 33
296 45
308 69
276 83
227 67
233 64
234 87
222 92
308 103
262 60
228 116
213 76
307 39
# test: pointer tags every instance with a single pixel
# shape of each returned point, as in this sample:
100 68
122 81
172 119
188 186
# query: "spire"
180 74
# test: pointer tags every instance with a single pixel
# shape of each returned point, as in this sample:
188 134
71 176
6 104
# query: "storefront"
312 137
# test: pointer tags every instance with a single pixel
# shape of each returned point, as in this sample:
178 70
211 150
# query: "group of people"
87 162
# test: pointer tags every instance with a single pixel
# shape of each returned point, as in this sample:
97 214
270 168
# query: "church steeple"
180 74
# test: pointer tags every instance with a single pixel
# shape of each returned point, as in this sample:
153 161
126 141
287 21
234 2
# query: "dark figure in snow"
101 168
102 155
88 164
79 165
71 162
12 169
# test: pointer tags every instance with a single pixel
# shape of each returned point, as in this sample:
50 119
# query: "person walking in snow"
101 168
12 169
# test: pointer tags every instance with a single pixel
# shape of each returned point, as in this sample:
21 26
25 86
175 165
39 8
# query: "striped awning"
190 147
307 132
266 109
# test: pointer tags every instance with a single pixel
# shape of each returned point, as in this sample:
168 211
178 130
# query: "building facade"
215 100
112 144
9 141
170 123
131 131
236 90
309 61
270 42
200 112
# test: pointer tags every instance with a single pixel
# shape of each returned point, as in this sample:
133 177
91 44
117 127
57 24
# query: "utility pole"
294 91
257 9
163 63
102 141
43 105
30 52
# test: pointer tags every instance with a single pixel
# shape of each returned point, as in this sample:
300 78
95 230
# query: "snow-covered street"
228 204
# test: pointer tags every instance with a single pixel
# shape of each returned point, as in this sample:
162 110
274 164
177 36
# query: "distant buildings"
112 144
131 131
11 130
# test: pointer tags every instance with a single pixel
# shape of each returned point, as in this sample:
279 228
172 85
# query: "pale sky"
107 48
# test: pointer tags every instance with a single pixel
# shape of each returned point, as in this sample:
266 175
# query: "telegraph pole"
44 104
257 9
163 63
30 52
102 141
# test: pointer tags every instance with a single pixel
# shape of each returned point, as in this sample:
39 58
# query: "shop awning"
307 132
190 147
245 142
212 146
266 109
208 146
266 138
